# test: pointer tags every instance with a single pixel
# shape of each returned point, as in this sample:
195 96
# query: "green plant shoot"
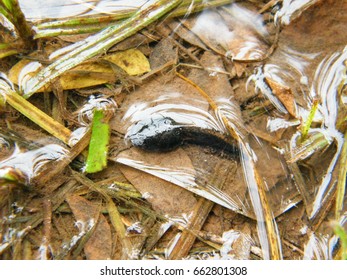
340 232
307 124
98 145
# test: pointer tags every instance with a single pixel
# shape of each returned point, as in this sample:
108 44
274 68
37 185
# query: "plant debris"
271 83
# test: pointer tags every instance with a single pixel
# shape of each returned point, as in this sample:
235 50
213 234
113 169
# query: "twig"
47 228
186 240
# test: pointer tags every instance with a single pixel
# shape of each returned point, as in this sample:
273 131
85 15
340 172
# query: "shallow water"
290 56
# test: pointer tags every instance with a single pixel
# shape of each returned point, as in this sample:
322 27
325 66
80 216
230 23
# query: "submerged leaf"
285 95
99 43
131 61
164 195
99 245
86 75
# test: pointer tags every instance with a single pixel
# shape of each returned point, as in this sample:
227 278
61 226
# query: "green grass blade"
4 12
12 11
100 43
93 24
340 232
86 20
307 124
8 4
98 146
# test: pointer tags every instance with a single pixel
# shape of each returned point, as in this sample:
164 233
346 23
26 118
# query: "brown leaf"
151 91
163 52
217 85
316 34
164 196
284 94
99 245
237 36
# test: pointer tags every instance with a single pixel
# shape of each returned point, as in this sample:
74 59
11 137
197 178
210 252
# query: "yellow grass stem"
37 116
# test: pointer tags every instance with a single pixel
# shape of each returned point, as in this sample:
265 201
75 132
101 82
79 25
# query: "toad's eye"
167 121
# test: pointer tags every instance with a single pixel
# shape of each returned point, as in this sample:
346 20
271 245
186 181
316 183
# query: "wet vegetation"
173 129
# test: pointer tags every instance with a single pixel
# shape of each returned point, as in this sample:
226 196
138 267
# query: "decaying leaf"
99 245
164 196
237 36
285 95
132 61
164 52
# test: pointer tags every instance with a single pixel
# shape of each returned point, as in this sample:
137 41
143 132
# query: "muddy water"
235 54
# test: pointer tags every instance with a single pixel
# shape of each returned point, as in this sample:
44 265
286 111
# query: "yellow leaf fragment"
131 61
16 70
88 74
82 76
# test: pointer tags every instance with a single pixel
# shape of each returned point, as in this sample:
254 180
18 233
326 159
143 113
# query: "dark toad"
163 134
